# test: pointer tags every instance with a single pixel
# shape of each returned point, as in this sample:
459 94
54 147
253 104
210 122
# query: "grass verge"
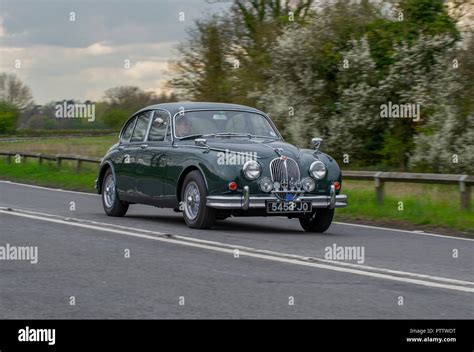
86 146
418 204
49 175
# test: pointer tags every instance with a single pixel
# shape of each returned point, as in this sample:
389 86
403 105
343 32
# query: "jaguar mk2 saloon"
212 161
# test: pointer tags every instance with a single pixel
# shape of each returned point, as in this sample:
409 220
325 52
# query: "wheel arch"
183 175
107 165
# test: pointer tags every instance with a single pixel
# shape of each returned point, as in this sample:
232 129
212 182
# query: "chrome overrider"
247 201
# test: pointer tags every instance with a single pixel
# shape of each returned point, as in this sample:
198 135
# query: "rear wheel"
195 212
113 206
318 221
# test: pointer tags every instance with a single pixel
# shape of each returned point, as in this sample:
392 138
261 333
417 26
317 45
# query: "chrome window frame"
122 131
151 121
148 126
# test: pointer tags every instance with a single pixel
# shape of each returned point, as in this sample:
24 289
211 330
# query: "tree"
129 98
306 77
331 71
14 92
225 56
336 88
202 72
420 75
121 102
445 142
256 26
8 117
124 101
115 118
42 122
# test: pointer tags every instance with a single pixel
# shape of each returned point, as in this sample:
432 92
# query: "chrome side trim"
208 148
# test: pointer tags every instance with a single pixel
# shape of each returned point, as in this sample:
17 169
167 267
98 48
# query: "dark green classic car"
212 161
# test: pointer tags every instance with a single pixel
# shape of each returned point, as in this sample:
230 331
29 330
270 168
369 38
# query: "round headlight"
252 170
317 170
308 184
266 185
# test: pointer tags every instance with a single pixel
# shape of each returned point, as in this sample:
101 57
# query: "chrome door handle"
144 146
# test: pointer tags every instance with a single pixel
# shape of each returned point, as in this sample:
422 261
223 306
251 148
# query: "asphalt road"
279 271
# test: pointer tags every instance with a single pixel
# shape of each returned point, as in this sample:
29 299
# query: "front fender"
333 170
105 165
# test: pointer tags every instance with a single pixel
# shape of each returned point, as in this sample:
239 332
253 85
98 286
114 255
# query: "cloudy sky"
64 59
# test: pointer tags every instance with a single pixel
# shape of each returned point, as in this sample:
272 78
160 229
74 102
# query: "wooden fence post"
58 161
465 193
379 188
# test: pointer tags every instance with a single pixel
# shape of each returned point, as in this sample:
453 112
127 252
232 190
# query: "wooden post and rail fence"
465 182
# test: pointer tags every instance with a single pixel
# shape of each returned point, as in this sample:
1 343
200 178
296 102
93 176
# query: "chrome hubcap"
109 191
193 198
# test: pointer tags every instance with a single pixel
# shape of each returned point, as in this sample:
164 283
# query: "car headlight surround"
308 184
266 184
252 170
318 170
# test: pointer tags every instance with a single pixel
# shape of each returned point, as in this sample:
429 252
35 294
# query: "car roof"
175 107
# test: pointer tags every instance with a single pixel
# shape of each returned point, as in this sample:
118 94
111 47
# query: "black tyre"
193 194
113 206
222 216
318 221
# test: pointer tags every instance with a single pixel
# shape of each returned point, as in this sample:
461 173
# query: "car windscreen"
221 122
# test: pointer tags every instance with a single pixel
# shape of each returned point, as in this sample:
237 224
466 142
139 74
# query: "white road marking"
264 251
47 188
405 231
335 222
261 255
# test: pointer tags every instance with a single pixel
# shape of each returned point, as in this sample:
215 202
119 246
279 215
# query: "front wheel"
195 212
113 206
318 221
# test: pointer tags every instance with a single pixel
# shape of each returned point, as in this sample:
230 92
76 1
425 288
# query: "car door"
126 172
151 159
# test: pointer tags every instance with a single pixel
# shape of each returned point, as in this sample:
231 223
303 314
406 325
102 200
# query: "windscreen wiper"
191 136
232 134
260 136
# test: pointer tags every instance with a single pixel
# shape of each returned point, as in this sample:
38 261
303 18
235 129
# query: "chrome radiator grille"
284 170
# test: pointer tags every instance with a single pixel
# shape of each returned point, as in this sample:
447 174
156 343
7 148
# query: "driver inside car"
183 126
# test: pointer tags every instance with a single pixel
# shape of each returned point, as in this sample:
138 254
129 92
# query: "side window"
160 128
141 127
127 133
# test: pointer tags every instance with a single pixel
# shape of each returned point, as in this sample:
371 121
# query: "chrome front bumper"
246 201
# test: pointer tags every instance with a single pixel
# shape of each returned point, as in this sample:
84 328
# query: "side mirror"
316 143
